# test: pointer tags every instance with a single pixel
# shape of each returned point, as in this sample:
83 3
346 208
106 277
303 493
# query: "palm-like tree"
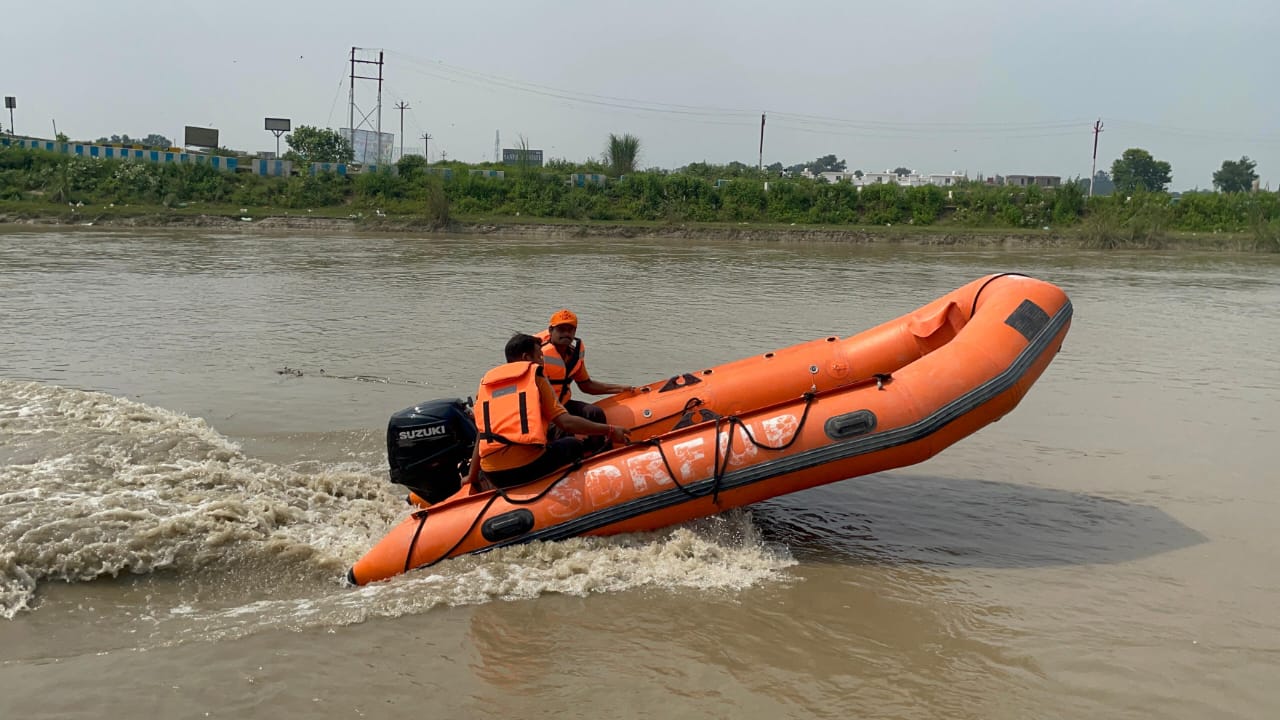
621 153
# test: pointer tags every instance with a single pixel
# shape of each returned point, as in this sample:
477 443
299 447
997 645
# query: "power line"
447 71
457 74
1195 134
342 78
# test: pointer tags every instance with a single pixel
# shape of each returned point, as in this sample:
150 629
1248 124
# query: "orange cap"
563 317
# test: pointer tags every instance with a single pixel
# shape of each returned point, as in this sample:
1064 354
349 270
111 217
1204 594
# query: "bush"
926 204
883 203
311 191
742 200
681 196
381 185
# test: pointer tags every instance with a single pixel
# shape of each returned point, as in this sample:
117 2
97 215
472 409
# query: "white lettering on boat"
687 453
648 470
779 430
603 484
564 501
744 451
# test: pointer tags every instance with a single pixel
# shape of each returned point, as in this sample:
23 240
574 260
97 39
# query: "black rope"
408 556
990 280
498 492
457 544
657 442
543 493
720 468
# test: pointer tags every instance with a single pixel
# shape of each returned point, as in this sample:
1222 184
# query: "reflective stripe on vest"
509 408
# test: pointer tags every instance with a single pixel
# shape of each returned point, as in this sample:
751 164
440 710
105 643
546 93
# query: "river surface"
192 436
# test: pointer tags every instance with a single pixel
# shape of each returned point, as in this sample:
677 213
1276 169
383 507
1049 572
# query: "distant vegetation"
309 144
698 192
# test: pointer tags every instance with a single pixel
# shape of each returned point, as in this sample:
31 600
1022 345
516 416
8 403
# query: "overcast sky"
971 85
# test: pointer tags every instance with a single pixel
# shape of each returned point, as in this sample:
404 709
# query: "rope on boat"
500 493
993 278
720 469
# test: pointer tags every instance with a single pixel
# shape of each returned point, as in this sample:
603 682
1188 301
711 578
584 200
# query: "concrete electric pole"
402 106
1097 128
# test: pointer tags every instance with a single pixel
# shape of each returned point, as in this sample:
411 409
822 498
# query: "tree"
309 144
1236 176
621 153
827 163
1102 184
412 167
156 140
857 174
1137 170
901 171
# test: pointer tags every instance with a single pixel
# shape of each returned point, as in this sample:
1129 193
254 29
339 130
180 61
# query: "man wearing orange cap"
515 411
565 363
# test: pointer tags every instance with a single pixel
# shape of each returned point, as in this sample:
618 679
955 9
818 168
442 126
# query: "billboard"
365 145
511 156
278 124
201 137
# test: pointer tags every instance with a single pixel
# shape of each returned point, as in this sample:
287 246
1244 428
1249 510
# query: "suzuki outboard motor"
427 444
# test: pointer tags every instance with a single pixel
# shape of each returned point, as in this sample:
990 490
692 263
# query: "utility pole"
426 146
378 129
1097 128
351 113
402 106
761 166
351 105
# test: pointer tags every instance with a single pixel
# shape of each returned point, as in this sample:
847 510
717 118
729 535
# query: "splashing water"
96 486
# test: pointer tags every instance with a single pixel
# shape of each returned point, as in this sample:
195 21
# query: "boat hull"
765 426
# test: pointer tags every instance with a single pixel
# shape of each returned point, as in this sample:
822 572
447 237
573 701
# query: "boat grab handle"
859 422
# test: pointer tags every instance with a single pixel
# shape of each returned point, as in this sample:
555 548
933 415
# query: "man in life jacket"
515 410
566 363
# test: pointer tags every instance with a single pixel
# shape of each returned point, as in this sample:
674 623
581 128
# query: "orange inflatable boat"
739 433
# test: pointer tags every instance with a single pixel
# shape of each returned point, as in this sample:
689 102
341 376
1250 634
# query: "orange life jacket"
560 370
508 408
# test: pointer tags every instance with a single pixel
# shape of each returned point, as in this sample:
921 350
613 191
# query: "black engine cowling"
427 445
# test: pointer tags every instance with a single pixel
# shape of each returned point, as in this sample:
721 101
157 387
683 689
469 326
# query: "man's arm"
581 426
594 387
473 472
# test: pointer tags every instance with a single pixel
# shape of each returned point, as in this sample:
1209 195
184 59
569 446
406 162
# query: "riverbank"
341 220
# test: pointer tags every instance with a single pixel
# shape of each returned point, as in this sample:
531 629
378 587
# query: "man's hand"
619 435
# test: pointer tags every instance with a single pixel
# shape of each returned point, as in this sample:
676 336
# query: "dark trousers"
558 454
594 443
